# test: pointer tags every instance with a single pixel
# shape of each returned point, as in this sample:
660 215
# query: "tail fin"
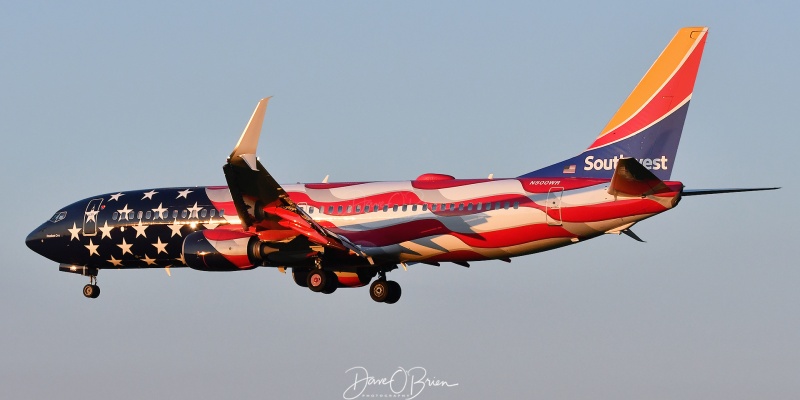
649 123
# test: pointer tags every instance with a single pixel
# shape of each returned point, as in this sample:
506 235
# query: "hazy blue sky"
98 97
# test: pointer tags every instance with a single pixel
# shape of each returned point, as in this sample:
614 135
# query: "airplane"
348 234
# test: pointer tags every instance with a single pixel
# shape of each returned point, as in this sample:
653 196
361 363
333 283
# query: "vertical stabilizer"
649 123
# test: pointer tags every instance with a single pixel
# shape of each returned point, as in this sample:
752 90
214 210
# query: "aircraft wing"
262 204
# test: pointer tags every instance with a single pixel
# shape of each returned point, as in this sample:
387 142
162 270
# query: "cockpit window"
58 216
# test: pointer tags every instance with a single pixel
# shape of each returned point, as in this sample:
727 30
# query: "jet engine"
221 250
231 250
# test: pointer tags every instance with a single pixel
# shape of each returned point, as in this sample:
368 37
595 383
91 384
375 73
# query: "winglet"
248 142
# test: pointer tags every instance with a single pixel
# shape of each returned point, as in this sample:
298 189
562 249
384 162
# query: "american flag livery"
349 234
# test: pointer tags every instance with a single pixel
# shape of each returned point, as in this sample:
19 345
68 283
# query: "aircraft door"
553 206
90 217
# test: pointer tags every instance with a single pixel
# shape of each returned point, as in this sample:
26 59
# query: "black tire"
91 291
300 276
394 292
379 290
317 280
332 284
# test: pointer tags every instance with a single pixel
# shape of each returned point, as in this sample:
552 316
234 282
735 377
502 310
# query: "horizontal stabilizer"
700 192
632 178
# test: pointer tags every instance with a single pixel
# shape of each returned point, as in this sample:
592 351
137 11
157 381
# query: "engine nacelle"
221 250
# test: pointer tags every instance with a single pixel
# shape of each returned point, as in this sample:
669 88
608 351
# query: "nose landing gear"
92 290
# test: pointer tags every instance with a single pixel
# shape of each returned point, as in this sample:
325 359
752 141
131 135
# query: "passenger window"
310 210
339 210
385 208
478 206
350 209
452 206
469 207
461 207
405 207
115 216
516 205
497 206
148 214
488 206
394 208
443 207
330 210
203 213
375 208
433 207
174 213
358 209
424 207
184 213
506 206
213 212
139 215
414 207
130 216
221 213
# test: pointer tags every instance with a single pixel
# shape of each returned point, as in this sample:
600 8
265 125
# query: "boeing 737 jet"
348 234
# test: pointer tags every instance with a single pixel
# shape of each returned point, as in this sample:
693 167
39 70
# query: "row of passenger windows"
331 210
147 215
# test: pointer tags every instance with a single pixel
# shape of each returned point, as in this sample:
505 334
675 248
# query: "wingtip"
248 142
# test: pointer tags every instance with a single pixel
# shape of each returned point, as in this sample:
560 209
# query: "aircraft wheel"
379 290
317 280
394 292
300 276
91 291
332 282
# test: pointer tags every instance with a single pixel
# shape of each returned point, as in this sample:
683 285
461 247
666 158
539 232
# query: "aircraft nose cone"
35 240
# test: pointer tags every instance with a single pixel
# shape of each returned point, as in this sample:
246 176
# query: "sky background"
98 97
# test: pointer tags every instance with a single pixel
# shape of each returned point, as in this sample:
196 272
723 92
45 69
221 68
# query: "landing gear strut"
384 291
91 290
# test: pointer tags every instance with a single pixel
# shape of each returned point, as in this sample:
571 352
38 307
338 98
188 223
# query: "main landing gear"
319 280
323 281
91 290
384 291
